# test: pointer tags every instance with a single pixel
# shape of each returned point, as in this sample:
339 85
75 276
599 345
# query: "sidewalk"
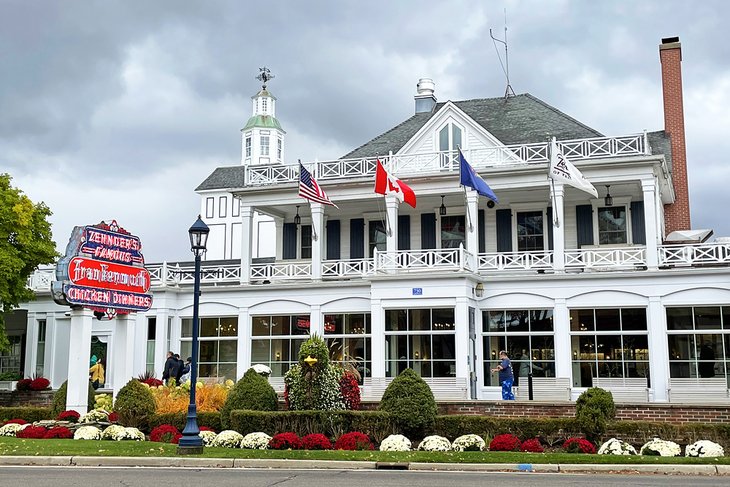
79 461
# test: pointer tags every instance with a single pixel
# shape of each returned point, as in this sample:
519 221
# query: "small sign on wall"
417 291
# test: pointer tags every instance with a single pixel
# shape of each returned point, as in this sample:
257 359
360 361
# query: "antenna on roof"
264 76
505 66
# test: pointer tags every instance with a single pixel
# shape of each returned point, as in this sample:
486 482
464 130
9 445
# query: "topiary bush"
314 385
593 410
410 402
252 392
134 404
59 399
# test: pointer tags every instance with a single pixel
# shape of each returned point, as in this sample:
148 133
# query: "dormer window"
449 138
264 145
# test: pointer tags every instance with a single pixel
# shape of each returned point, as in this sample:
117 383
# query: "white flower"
469 443
228 439
134 434
704 448
256 441
395 443
11 429
614 446
435 443
661 448
262 369
114 432
87 433
208 437
94 416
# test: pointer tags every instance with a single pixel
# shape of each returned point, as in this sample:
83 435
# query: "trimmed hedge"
210 419
134 404
410 400
551 430
30 414
639 432
375 424
59 398
253 392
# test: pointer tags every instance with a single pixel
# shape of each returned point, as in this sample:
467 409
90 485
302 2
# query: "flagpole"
466 201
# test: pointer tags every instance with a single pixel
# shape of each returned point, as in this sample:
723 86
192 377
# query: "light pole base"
189 450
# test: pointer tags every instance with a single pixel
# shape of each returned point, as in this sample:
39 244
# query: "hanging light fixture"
297 218
442 208
608 200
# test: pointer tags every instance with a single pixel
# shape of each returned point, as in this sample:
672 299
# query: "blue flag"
471 179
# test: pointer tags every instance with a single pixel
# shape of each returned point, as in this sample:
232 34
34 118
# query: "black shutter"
638 224
333 239
584 224
357 238
290 241
428 231
504 230
549 225
482 232
404 232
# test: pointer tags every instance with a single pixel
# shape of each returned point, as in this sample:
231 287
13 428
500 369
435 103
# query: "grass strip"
24 447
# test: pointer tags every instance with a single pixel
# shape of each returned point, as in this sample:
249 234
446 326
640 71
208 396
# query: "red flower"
23 384
152 382
205 428
532 446
69 415
32 432
165 433
505 442
113 417
16 421
579 445
58 432
285 441
316 441
350 391
354 441
39 384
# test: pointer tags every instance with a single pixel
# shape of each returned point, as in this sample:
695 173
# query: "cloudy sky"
118 109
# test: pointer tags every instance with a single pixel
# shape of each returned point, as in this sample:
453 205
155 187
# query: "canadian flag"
388 184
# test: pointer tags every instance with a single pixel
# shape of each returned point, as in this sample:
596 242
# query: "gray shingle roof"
223 177
521 119
661 143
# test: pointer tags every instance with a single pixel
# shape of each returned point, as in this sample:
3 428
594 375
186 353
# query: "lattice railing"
336 269
597 259
524 261
423 260
689 255
279 271
435 162
41 279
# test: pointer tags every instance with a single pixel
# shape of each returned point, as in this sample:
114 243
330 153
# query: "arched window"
449 137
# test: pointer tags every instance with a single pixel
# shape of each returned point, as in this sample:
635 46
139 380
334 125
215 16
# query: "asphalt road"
178 477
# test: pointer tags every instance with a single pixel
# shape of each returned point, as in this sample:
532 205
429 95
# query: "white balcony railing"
281 271
606 258
435 162
424 260
340 269
514 261
690 255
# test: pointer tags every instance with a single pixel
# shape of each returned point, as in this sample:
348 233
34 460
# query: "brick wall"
669 413
677 214
26 398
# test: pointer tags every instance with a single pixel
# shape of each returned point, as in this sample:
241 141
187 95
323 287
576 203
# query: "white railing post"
648 187
558 223
246 243
163 274
461 256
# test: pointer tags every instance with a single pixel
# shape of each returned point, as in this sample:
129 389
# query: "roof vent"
425 98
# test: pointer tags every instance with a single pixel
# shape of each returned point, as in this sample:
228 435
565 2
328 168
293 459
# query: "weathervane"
264 76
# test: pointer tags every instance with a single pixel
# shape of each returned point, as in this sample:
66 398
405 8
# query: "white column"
243 349
161 318
31 344
78 360
317 210
391 245
175 333
49 369
377 340
316 324
658 349
279 224
472 227
461 319
246 243
559 229
648 187
561 326
123 351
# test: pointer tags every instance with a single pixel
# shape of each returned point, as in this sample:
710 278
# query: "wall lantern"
297 218
608 200
442 208
479 290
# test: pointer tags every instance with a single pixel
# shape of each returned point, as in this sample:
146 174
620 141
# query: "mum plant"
40 384
256 441
11 429
208 437
614 446
532 445
228 439
661 448
60 432
69 415
704 449
32 432
468 443
87 433
395 443
579 445
165 433
354 440
505 442
316 441
286 441
435 443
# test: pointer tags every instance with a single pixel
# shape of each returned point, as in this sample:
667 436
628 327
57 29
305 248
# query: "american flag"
310 190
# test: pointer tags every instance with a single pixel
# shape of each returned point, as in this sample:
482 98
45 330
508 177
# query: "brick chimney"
676 215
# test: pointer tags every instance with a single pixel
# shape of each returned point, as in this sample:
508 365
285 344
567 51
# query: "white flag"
561 169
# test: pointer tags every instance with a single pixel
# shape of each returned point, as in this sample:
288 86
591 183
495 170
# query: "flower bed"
532 446
165 433
659 447
286 441
11 429
614 446
395 443
704 449
435 443
468 443
117 432
256 441
60 432
505 442
87 433
228 439
316 441
354 441
70 415
32 432
579 445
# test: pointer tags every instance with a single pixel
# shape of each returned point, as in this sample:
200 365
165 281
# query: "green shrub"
11 376
59 398
550 430
333 424
409 399
593 410
30 414
639 432
252 392
315 347
135 404
210 419
314 388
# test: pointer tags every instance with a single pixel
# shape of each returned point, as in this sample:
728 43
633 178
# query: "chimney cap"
670 40
425 86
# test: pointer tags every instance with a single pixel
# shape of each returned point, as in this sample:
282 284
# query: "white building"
581 291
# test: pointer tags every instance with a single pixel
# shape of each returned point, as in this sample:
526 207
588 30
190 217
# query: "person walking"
96 373
169 363
179 370
506 377
186 370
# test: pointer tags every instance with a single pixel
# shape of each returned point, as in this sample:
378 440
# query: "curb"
486 467
654 469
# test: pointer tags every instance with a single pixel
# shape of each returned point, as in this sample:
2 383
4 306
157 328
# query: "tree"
25 243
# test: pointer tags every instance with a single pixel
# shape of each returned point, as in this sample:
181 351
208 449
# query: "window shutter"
333 239
289 249
482 232
357 238
428 231
404 232
584 224
549 224
638 224
504 230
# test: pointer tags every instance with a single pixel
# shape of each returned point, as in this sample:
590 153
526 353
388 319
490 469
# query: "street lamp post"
191 443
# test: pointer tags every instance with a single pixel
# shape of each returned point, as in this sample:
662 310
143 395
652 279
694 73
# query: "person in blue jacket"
506 377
